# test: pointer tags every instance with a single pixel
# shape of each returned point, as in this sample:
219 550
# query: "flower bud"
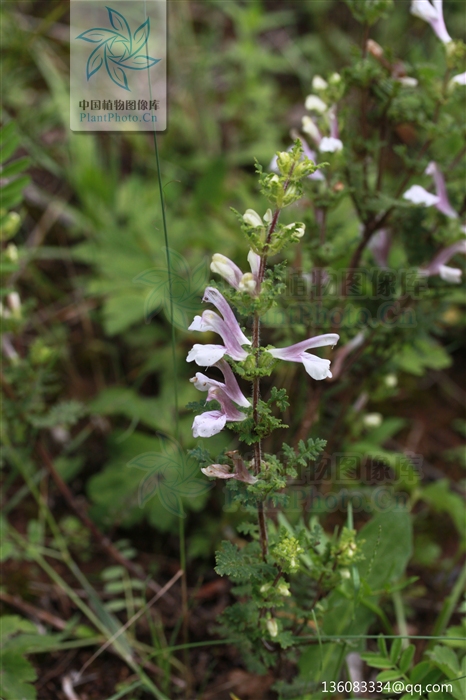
283 589
407 81
291 195
335 79
299 229
10 225
252 218
247 283
272 627
315 104
11 252
224 267
268 216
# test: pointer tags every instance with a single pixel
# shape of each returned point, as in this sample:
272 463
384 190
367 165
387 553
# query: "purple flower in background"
419 195
316 367
227 327
380 245
443 204
226 268
343 352
438 266
433 14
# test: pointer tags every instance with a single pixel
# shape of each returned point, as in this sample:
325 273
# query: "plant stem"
256 386
449 605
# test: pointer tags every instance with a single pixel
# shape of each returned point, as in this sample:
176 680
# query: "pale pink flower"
433 14
443 204
419 195
438 266
230 387
227 327
317 367
343 352
380 245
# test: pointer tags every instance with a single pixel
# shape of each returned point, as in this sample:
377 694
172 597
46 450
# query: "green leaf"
376 661
11 625
423 354
443 500
16 671
381 643
240 565
419 672
389 675
446 660
395 650
9 141
407 658
387 546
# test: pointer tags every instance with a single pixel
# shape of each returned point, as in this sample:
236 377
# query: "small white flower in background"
391 381
407 81
330 145
372 420
313 103
433 14
316 367
459 79
419 195
450 274
272 627
310 128
443 204
438 266
14 302
318 83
